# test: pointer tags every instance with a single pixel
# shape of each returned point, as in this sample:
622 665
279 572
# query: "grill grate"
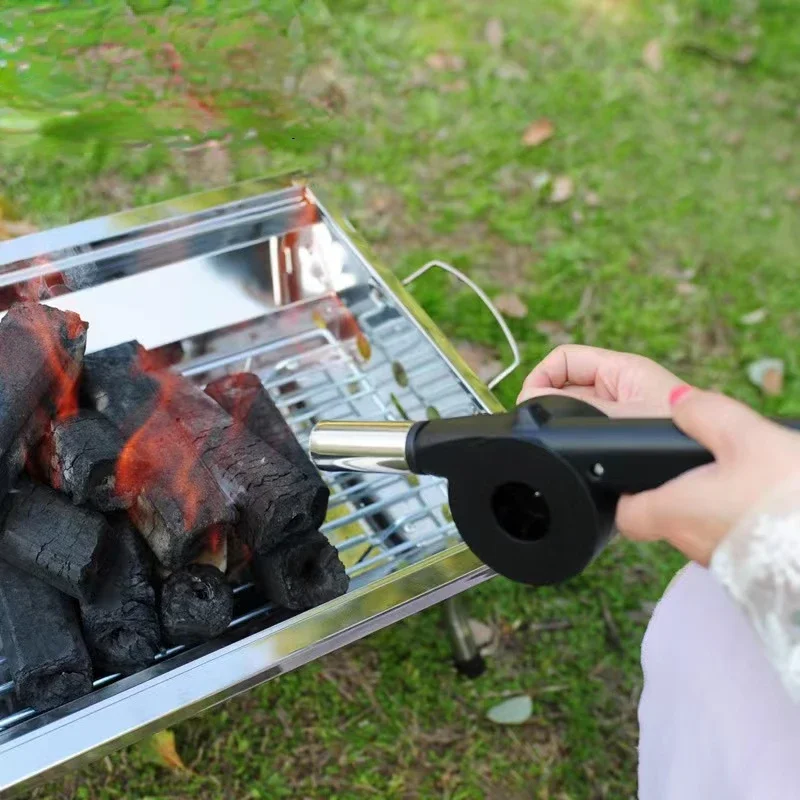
378 523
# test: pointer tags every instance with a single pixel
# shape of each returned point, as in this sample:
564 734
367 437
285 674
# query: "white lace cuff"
758 562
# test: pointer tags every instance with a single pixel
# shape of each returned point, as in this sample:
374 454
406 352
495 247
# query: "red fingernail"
678 393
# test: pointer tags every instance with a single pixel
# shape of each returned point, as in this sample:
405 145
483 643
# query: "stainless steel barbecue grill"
259 277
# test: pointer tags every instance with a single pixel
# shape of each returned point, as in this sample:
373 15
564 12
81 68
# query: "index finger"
575 364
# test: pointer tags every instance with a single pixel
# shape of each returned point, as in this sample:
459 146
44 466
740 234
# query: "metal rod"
360 446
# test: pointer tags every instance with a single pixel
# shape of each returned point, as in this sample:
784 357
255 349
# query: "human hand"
619 384
696 510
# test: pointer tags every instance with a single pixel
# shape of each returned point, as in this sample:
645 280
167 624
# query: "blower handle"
622 456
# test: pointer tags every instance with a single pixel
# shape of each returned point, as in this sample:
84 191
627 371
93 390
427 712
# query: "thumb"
715 421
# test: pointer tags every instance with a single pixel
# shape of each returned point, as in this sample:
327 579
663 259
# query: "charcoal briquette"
244 397
274 497
45 535
42 642
41 350
196 605
78 456
303 572
178 501
120 624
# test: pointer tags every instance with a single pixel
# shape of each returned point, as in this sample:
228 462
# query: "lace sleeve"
758 562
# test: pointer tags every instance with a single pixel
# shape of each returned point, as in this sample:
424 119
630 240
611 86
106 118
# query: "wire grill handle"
512 342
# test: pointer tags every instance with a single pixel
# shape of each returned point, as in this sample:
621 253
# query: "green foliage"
112 125
691 226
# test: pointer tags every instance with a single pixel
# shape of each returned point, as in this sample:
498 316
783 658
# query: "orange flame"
159 453
64 369
215 540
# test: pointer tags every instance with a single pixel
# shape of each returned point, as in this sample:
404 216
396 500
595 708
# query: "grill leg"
466 656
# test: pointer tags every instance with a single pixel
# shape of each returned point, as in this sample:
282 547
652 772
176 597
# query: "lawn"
661 210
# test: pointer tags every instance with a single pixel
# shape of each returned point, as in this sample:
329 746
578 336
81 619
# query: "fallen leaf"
652 56
555 331
685 289
482 633
538 132
363 346
511 306
160 749
733 138
400 374
767 374
511 71
754 317
563 189
744 55
793 194
419 77
398 406
207 163
482 360
461 85
721 99
577 216
541 180
431 412
514 711
783 155
326 85
442 61
592 199
114 54
10 229
495 33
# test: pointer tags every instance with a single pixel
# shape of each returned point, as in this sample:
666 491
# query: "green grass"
695 172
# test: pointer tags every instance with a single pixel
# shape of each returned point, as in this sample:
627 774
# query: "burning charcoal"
272 496
248 402
121 623
196 605
41 350
45 535
78 456
42 641
301 573
178 501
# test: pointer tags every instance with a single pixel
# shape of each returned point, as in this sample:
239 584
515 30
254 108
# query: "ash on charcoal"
41 350
78 456
120 624
42 642
248 402
303 572
45 535
196 605
178 501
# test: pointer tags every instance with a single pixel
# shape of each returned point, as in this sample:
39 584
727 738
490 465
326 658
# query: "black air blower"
533 492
